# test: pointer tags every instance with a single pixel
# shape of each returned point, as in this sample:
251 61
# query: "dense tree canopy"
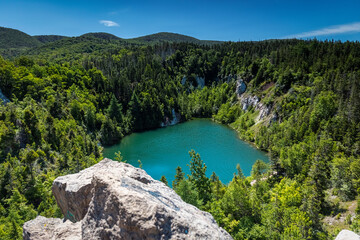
71 97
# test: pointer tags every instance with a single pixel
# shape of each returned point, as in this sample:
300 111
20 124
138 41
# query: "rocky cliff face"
200 81
247 100
176 118
113 200
3 98
240 86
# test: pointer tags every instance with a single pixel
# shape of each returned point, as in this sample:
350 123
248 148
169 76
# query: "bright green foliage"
140 163
282 216
227 113
186 190
236 200
118 157
341 180
198 177
324 108
239 174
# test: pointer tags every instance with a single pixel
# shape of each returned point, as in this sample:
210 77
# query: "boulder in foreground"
347 235
113 200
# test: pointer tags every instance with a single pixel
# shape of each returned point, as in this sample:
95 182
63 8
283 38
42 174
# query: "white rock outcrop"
251 100
347 235
113 200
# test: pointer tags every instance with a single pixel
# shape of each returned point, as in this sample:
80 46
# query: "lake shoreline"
163 149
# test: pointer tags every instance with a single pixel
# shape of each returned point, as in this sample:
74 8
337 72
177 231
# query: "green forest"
69 97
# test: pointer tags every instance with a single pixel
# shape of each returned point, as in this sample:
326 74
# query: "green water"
162 150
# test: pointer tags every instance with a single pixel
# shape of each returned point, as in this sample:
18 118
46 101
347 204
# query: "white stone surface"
126 203
347 235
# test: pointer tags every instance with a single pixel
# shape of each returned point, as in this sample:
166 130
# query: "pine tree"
198 177
115 109
178 177
135 109
164 180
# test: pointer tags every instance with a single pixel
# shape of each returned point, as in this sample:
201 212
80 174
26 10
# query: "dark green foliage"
179 176
109 132
164 180
101 35
115 110
12 38
166 36
171 37
48 38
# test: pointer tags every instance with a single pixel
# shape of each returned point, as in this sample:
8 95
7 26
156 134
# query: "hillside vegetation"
12 38
73 96
14 43
48 38
171 37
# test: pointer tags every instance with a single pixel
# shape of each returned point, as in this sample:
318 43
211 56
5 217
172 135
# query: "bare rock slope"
113 200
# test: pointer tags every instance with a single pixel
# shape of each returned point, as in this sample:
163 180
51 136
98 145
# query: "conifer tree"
178 177
198 176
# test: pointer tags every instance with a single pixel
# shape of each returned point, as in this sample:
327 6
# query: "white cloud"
338 29
108 23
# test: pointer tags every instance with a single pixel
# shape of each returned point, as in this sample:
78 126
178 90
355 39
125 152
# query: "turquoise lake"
162 150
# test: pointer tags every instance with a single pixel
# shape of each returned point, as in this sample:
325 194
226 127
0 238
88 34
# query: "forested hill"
15 43
302 105
172 37
49 38
101 35
12 38
166 36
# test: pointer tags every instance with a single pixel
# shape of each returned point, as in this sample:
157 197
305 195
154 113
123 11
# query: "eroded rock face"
240 87
250 100
176 118
113 200
73 193
347 235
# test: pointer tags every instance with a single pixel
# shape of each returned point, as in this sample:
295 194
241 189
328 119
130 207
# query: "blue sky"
204 19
